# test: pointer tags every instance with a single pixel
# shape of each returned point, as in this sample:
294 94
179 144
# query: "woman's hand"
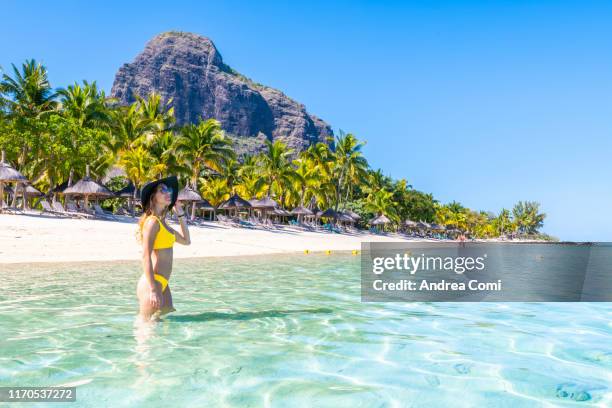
155 298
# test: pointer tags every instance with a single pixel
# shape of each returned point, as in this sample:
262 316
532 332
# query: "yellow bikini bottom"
162 280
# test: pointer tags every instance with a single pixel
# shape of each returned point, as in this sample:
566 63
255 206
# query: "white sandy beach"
35 238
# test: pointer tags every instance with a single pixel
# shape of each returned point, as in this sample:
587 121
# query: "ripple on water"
269 331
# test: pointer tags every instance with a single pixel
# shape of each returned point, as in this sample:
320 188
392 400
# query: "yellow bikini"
164 239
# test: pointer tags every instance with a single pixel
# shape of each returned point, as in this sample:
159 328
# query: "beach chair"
99 212
122 211
72 208
48 209
57 206
225 220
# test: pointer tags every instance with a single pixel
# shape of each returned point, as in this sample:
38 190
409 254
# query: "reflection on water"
289 330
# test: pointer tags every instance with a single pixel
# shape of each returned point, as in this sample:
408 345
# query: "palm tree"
380 202
277 171
139 166
503 221
158 117
29 90
202 145
215 191
317 174
28 97
527 216
85 104
350 166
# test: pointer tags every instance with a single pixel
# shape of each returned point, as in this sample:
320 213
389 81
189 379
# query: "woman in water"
158 198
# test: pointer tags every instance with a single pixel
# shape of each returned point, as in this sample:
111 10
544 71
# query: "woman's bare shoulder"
150 224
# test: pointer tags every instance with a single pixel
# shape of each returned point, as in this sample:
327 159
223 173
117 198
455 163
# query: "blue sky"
486 103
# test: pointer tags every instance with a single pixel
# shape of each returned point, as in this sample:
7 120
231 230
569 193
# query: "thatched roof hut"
380 220
188 194
301 211
265 202
235 201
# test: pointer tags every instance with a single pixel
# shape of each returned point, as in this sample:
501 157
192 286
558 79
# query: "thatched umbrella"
189 195
264 205
128 192
301 211
265 202
353 215
204 205
9 175
235 202
380 220
30 192
410 224
329 213
422 225
87 187
343 216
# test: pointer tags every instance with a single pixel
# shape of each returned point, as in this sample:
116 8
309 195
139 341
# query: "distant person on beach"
158 198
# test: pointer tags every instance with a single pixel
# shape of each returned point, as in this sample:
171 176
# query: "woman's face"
163 195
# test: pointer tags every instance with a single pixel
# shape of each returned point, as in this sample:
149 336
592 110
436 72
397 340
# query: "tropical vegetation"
51 135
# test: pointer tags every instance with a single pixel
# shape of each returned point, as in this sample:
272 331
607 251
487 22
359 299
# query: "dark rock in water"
188 69
573 392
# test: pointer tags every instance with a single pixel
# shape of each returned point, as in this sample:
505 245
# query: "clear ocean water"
291 331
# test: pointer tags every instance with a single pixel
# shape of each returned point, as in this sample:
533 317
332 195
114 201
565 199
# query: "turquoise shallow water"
284 331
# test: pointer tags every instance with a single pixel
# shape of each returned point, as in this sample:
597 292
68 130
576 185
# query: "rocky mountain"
188 69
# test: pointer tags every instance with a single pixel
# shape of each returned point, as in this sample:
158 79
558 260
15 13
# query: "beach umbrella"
329 213
30 192
235 202
353 215
9 175
281 212
87 187
343 216
265 202
264 205
436 227
422 225
204 204
189 195
410 224
380 220
128 191
299 210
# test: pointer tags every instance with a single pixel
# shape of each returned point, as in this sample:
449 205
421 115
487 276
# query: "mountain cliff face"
188 69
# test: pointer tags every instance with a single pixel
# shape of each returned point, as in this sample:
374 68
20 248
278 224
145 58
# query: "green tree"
202 145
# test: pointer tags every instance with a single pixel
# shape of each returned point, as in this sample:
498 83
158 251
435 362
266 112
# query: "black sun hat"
149 188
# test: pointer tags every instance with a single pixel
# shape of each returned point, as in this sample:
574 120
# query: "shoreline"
32 238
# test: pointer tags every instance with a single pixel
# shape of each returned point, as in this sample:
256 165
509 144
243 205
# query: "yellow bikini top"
164 238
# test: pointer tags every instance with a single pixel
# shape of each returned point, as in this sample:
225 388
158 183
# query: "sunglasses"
165 189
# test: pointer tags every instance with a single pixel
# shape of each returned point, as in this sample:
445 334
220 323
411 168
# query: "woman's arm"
149 232
183 236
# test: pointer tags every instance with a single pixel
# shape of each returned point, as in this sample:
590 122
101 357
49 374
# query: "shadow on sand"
208 316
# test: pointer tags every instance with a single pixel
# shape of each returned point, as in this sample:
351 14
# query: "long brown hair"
148 212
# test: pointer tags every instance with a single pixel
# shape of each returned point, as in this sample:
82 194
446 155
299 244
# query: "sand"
33 238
